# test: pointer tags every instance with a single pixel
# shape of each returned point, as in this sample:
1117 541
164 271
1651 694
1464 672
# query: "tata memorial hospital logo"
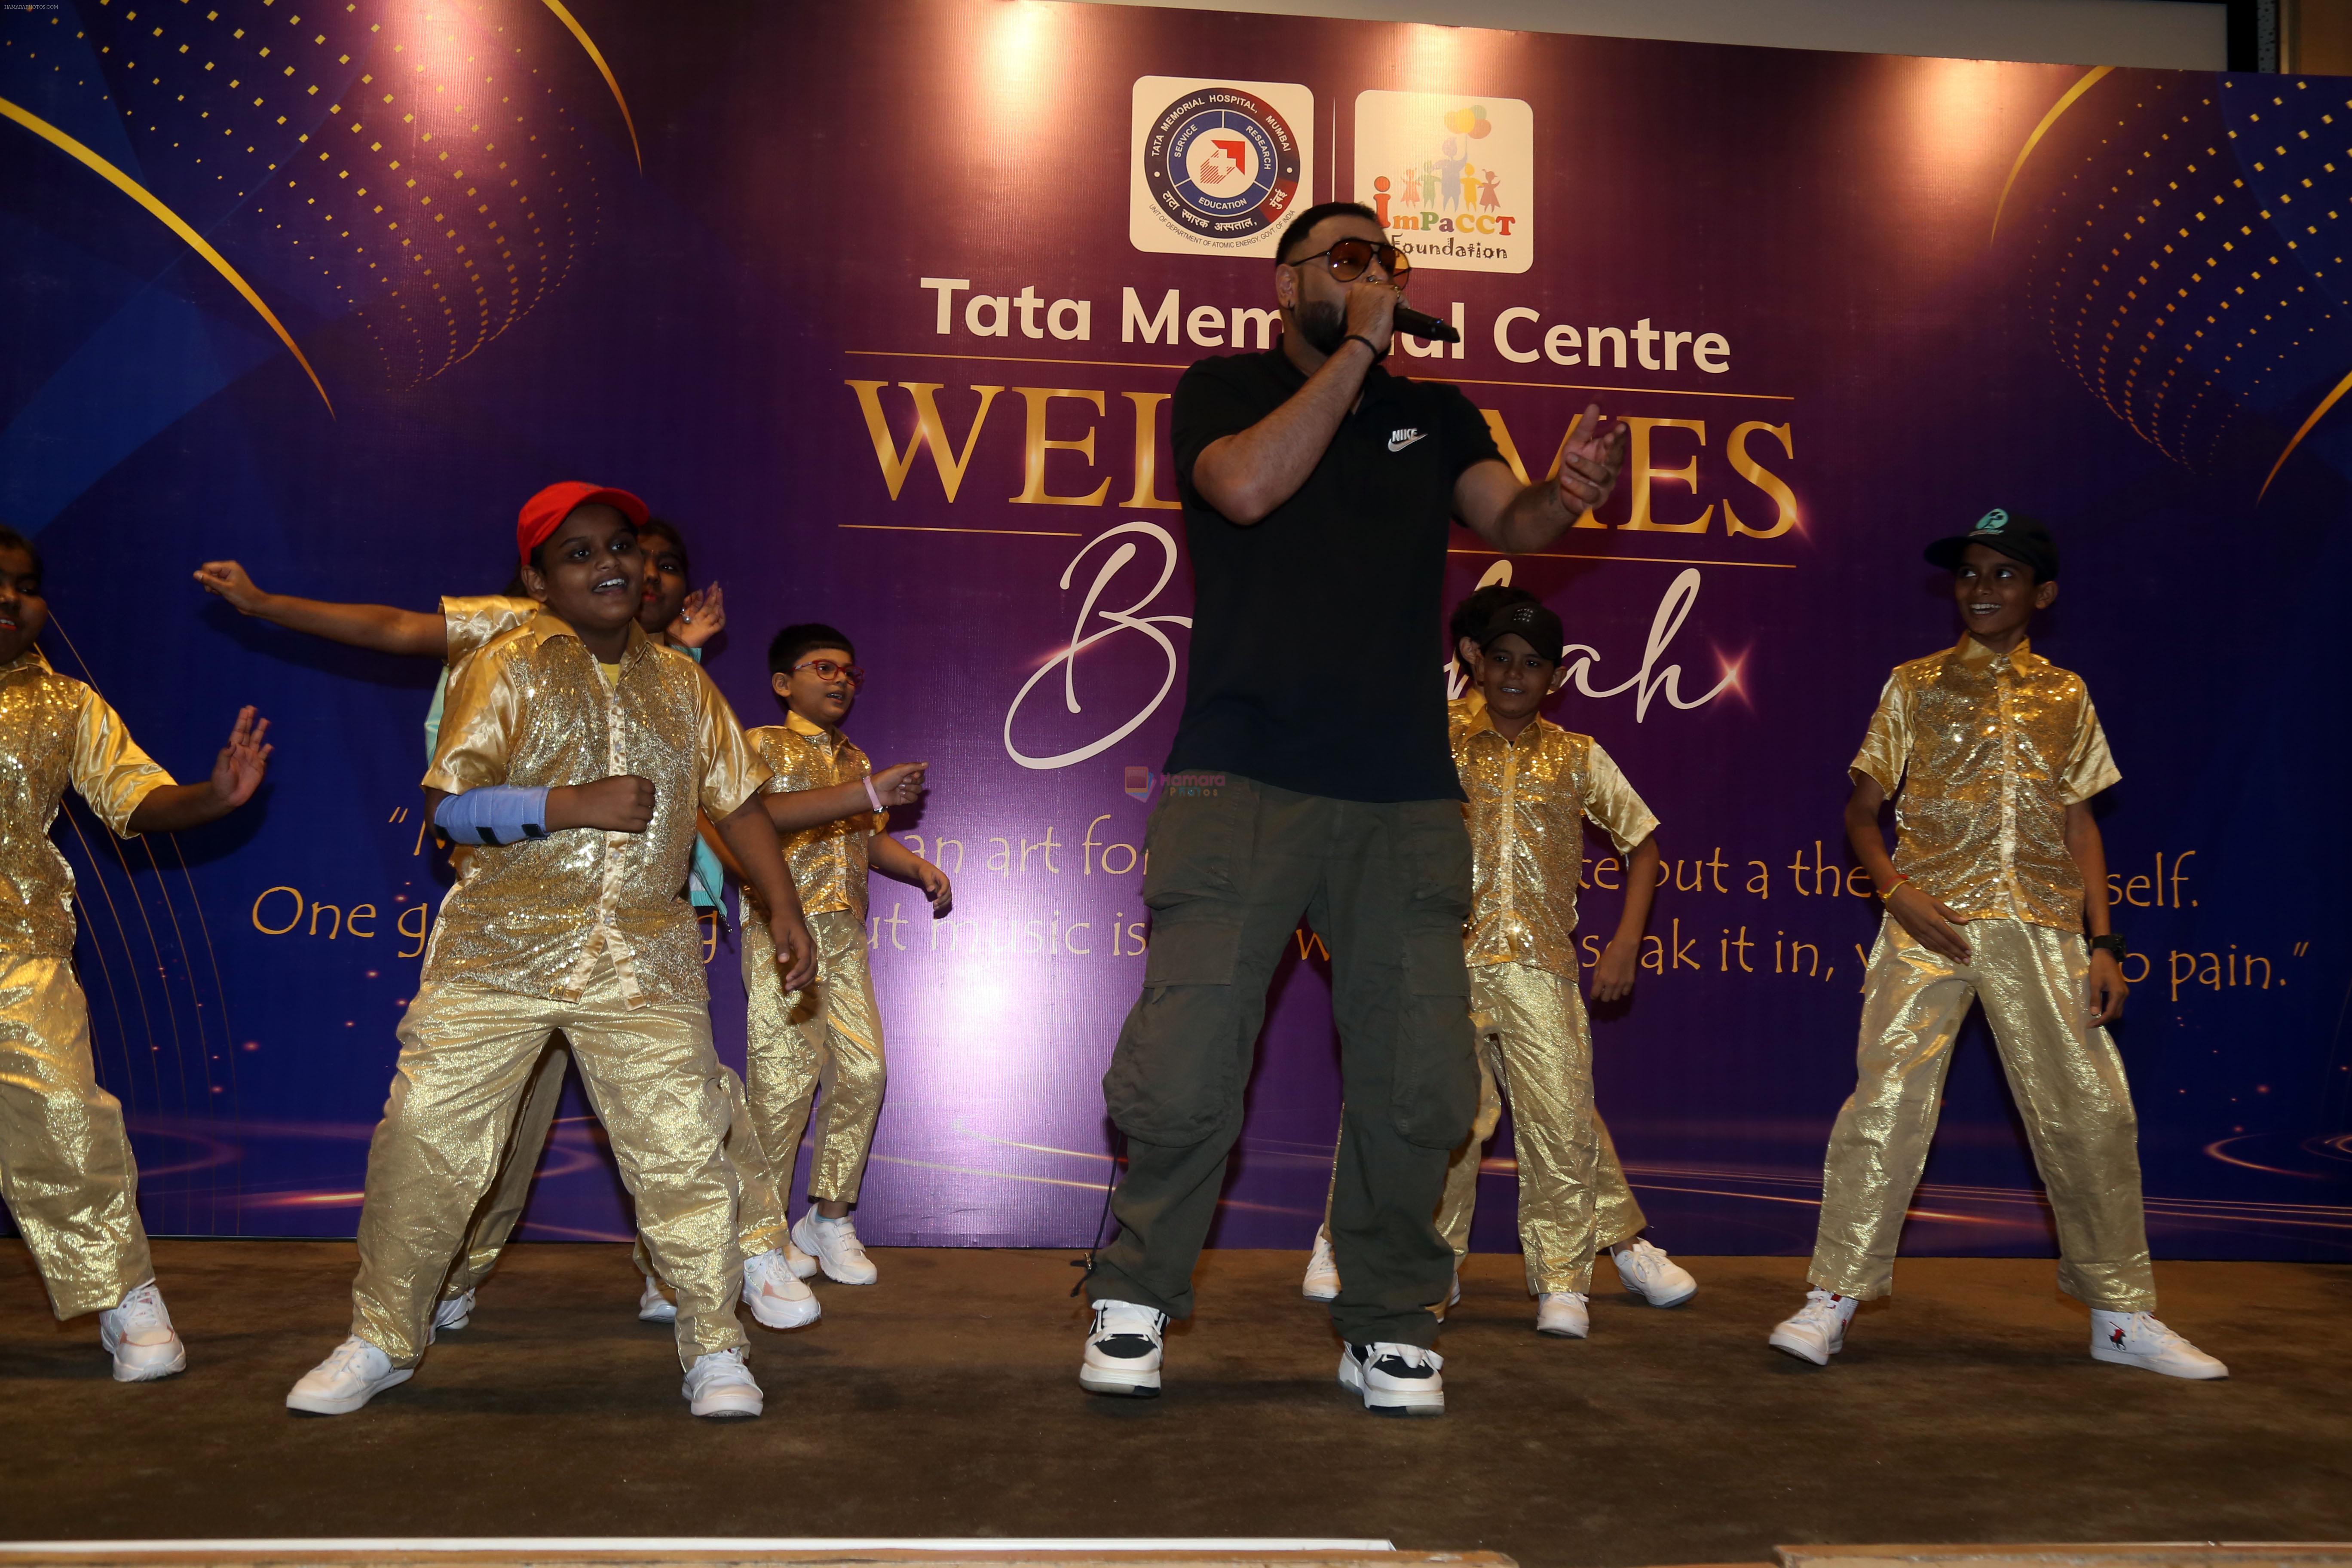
1452 176
1218 165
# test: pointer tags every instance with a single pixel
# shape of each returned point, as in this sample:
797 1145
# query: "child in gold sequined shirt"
65 1159
1998 876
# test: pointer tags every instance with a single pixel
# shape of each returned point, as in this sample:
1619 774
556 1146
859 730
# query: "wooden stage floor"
943 1402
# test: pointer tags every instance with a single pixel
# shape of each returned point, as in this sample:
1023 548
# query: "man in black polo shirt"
1310 776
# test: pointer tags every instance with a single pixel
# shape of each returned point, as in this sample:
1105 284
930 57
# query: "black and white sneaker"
1123 1350
1395 1380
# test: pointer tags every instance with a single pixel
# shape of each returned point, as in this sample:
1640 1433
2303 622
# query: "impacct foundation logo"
1452 177
1218 165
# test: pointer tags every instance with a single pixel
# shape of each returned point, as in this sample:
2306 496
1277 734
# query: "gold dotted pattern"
406 164
2190 264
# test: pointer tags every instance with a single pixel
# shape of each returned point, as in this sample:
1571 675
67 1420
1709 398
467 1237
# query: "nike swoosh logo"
1399 439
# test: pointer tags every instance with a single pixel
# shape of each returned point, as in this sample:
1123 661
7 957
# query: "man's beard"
1323 323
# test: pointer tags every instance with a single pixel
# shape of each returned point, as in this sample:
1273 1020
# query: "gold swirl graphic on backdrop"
2318 413
170 220
2192 265
417 168
597 55
2089 81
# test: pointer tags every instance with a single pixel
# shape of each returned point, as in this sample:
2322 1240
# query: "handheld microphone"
1428 329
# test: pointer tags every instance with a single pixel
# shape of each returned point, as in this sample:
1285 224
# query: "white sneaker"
453 1313
719 1387
803 1266
1394 1380
1123 1350
654 1306
1818 1330
356 1373
1563 1315
776 1297
1322 1282
834 1246
2136 1339
137 1333
1649 1273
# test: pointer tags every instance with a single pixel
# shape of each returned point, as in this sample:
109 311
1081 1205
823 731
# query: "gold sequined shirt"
1529 801
55 731
827 861
533 708
1989 750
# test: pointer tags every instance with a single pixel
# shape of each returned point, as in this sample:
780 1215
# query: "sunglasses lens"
1349 257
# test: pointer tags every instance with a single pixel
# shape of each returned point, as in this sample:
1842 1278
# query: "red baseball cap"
543 512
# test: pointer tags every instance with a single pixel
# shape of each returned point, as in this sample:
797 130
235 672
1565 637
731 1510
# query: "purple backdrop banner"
885 304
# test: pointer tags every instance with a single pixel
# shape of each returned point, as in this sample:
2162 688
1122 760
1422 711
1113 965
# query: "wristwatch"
2113 944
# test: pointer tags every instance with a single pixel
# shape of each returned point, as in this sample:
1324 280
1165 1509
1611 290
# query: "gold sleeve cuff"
1886 749
731 772
1609 802
2092 768
109 769
478 721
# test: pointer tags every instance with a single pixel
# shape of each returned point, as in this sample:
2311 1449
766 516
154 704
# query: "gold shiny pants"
467 1058
2066 1075
1535 1048
826 1036
1535 1044
761 1222
65 1171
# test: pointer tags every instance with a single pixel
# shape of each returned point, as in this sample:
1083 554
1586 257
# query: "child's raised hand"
936 888
237 771
226 580
1613 977
901 784
701 616
1929 919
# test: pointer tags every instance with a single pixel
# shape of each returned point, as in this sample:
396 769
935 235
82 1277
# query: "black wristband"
2113 944
1378 353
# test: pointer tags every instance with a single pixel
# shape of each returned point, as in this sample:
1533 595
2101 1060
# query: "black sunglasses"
1348 258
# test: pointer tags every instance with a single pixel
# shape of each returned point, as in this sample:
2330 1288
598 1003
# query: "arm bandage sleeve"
498 814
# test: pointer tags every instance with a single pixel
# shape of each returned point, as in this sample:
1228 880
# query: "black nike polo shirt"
1317 646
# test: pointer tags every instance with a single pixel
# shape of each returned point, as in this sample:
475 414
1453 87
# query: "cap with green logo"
2021 538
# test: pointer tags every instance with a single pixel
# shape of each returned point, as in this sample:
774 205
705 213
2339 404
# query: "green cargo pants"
1234 866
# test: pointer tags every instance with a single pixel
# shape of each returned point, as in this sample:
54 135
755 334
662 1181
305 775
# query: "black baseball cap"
1539 627
2014 535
